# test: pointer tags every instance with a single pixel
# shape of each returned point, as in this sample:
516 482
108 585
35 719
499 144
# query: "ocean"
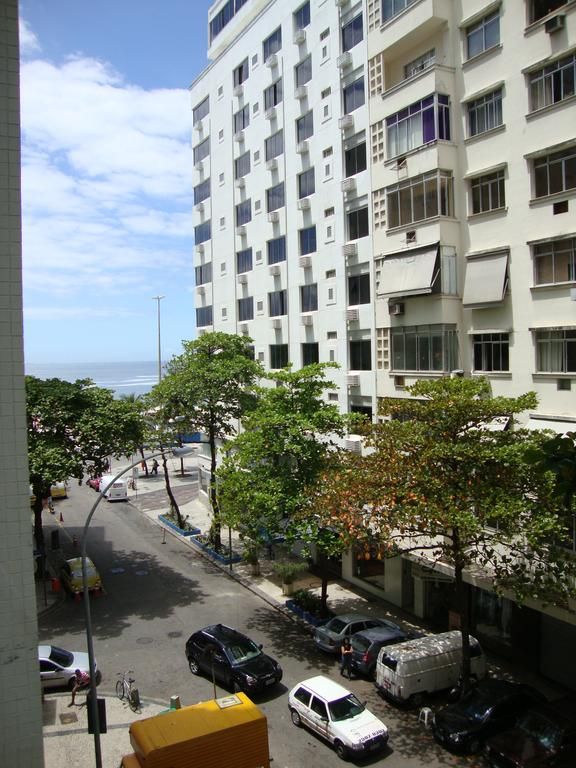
121 378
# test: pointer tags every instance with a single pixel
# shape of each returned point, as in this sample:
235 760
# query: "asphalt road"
157 592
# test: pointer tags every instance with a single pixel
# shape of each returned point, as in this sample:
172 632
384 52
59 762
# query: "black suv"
234 660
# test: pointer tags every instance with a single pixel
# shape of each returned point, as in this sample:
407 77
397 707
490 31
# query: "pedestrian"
346 658
155 466
81 681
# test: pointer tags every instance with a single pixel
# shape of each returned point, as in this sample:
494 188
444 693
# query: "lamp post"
158 299
92 701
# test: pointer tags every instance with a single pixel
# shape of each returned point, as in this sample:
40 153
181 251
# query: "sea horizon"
127 378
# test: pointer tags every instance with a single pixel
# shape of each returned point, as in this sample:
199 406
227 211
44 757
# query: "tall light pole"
158 299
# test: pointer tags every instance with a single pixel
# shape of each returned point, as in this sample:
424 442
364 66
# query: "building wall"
20 701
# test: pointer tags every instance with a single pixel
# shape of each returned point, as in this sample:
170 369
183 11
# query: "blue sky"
107 176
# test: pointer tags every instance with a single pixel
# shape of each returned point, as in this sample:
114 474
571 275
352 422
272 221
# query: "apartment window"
274 145
555 172
304 126
241 73
246 309
423 62
302 16
360 355
307 240
278 356
243 212
203 274
201 191
556 350
203 316
275 197
553 83
352 33
358 289
201 110
242 165
309 298
420 123
483 35
419 198
310 353
488 192
276 250
201 151
272 44
306 184
244 260
357 223
485 113
202 232
391 8
555 262
277 303
303 71
353 95
424 348
273 94
241 119
541 8
355 159
491 351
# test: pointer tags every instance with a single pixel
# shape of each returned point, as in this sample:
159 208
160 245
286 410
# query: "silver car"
329 636
58 667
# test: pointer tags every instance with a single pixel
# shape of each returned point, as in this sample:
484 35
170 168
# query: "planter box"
225 559
167 521
310 618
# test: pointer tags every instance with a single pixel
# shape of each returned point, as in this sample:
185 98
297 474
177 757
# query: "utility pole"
158 299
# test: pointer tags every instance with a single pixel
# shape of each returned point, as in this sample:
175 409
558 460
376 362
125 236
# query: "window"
310 353
277 303
391 8
358 289
306 184
422 197
302 16
357 222
307 240
309 298
202 232
424 348
354 95
541 8
423 62
274 145
273 94
241 73
246 309
553 83
355 159
243 212
420 123
485 113
556 350
488 192
201 191
555 262
272 44
275 197
555 172
203 316
278 356
242 165
483 35
244 260
225 15
304 126
241 119
303 71
201 110
491 351
360 355
276 250
203 274
201 151
352 33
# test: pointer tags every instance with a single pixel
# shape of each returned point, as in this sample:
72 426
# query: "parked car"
94 483
488 708
58 667
234 659
543 736
71 576
329 636
335 714
367 644
58 491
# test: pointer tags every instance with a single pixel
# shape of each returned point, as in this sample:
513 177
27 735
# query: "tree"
73 427
211 385
440 483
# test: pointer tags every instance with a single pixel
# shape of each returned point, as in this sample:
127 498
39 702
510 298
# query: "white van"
113 491
406 671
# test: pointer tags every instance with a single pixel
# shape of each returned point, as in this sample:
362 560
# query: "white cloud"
28 40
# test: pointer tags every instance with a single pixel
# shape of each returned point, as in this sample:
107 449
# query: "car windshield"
336 625
61 657
541 729
90 571
242 650
360 644
345 708
475 705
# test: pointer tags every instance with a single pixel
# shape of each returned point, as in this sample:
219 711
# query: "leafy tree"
211 385
438 482
73 427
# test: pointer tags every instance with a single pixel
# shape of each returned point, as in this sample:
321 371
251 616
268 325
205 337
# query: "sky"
107 176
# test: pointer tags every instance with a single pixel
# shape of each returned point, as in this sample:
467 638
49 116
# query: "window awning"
485 280
560 427
409 273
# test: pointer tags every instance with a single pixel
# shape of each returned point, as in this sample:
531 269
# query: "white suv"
335 713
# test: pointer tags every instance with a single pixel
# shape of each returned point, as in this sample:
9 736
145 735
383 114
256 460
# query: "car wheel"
193 664
296 720
474 746
416 700
235 686
341 750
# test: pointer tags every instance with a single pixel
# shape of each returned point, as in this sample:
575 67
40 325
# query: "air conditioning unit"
353 380
239 136
348 185
240 183
346 122
350 249
305 262
272 164
396 308
302 147
299 37
352 314
243 328
276 323
200 248
306 319
270 113
353 444
199 207
198 166
301 92
555 24
272 61
411 237
340 3
238 90
274 270
243 278
399 381
344 61
201 289
241 231
273 216
198 127
304 204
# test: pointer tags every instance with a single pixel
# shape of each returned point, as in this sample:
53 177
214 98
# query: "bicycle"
124 690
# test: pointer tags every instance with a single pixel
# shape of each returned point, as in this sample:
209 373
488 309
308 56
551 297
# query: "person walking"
81 681
346 658
155 466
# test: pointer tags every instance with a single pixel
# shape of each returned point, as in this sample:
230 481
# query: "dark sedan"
366 646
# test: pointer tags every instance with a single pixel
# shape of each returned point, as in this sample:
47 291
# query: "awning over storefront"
485 280
560 427
409 273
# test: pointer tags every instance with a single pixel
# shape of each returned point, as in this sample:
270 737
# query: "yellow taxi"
71 576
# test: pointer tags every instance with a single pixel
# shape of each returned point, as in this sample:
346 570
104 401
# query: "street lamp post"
158 299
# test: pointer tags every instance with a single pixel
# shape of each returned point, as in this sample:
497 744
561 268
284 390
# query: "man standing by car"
82 681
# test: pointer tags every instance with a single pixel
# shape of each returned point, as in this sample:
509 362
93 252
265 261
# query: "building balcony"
419 21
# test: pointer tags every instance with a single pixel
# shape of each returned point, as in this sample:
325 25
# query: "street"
158 591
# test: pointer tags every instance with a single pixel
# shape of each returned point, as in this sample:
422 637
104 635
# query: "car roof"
76 563
348 617
381 633
222 632
324 687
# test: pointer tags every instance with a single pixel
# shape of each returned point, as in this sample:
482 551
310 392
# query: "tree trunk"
173 503
463 603
324 594
144 460
216 528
